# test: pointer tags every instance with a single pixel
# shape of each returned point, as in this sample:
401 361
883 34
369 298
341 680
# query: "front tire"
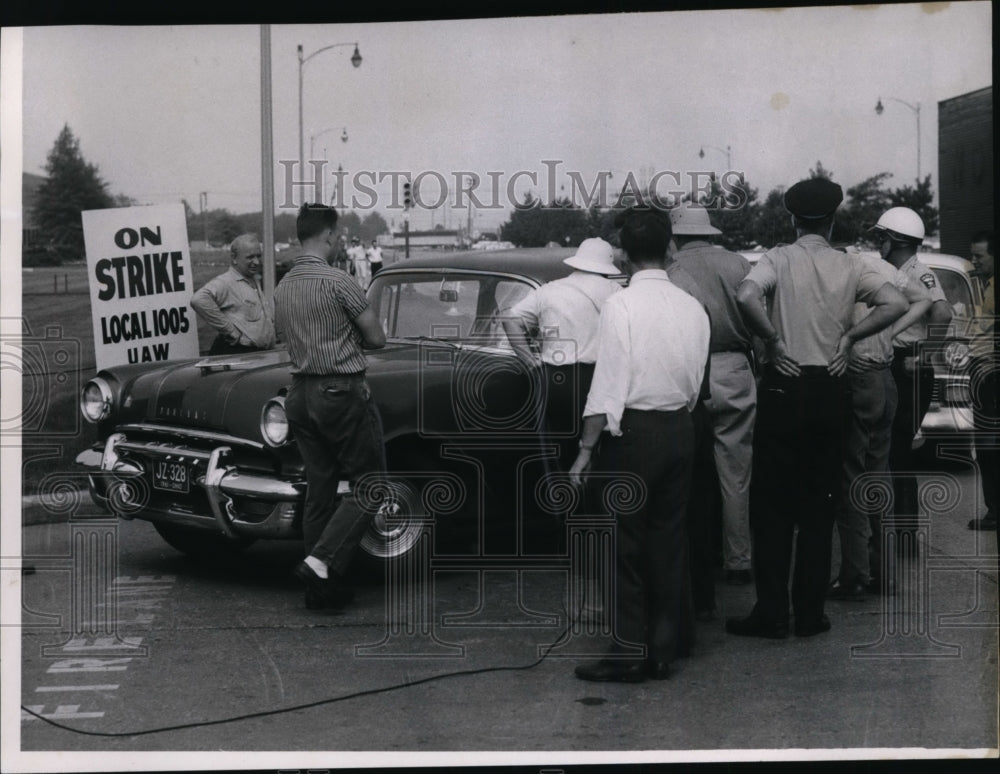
398 523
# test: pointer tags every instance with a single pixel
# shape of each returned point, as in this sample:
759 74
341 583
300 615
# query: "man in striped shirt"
325 318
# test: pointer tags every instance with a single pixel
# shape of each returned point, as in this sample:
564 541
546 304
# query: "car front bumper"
219 496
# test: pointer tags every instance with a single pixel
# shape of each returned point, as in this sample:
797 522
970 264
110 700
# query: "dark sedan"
201 448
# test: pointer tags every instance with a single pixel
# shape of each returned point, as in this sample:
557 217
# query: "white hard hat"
901 222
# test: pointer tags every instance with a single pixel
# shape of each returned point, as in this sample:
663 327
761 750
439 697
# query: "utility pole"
203 203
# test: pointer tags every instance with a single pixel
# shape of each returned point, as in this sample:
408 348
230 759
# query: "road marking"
59 688
89 665
62 712
80 644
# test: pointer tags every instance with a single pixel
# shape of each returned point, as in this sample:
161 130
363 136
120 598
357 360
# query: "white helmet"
901 223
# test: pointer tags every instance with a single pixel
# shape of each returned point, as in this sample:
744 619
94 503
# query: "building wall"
965 168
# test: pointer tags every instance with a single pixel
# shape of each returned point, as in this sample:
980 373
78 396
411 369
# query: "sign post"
139 267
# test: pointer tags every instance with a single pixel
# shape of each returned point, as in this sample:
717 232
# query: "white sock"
318 566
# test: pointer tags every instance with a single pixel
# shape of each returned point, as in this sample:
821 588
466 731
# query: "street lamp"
355 60
728 151
314 137
916 111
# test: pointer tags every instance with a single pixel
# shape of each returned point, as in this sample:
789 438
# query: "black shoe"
739 577
658 670
612 671
855 591
323 593
987 523
752 626
811 628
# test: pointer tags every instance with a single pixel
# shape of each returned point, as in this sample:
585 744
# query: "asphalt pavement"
126 638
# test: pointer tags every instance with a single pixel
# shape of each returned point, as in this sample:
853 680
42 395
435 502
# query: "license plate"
171 476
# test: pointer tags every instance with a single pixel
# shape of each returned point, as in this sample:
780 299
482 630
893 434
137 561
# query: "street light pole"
314 137
355 60
728 151
879 108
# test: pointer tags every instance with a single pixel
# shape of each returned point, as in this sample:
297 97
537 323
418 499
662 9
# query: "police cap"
814 198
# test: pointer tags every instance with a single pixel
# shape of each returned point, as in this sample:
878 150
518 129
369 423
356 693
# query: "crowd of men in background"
761 393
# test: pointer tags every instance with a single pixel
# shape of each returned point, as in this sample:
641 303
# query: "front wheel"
201 543
398 522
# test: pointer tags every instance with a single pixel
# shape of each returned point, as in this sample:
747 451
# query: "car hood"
226 393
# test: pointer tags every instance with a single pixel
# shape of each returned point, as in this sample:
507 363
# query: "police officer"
900 231
803 405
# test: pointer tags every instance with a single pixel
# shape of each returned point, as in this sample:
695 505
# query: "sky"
169 112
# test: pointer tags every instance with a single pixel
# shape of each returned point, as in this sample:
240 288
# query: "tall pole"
203 204
302 161
916 111
267 159
355 60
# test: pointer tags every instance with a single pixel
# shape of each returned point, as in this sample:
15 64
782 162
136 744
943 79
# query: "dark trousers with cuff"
651 605
798 455
338 431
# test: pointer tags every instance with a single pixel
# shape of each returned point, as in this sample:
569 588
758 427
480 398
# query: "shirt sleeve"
205 302
528 309
929 280
609 388
350 296
764 275
871 279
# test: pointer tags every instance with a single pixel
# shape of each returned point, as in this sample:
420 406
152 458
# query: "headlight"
274 422
96 400
956 355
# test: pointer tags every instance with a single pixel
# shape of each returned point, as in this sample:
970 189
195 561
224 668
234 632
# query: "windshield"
453 306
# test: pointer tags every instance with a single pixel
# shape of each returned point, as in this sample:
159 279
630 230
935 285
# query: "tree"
532 225
735 212
374 225
820 171
773 223
919 200
866 201
349 224
72 186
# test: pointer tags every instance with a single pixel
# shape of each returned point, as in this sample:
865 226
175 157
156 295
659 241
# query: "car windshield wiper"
452 342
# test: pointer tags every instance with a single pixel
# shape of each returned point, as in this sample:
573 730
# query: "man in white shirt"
375 257
359 263
652 351
562 316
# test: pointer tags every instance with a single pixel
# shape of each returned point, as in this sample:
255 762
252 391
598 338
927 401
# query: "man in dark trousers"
651 357
803 405
731 407
984 376
327 322
900 232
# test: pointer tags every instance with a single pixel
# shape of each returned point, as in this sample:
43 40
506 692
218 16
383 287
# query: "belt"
805 372
657 412
355 375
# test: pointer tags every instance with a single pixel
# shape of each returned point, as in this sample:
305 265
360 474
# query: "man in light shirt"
652 351
803 406
562 317
234 304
